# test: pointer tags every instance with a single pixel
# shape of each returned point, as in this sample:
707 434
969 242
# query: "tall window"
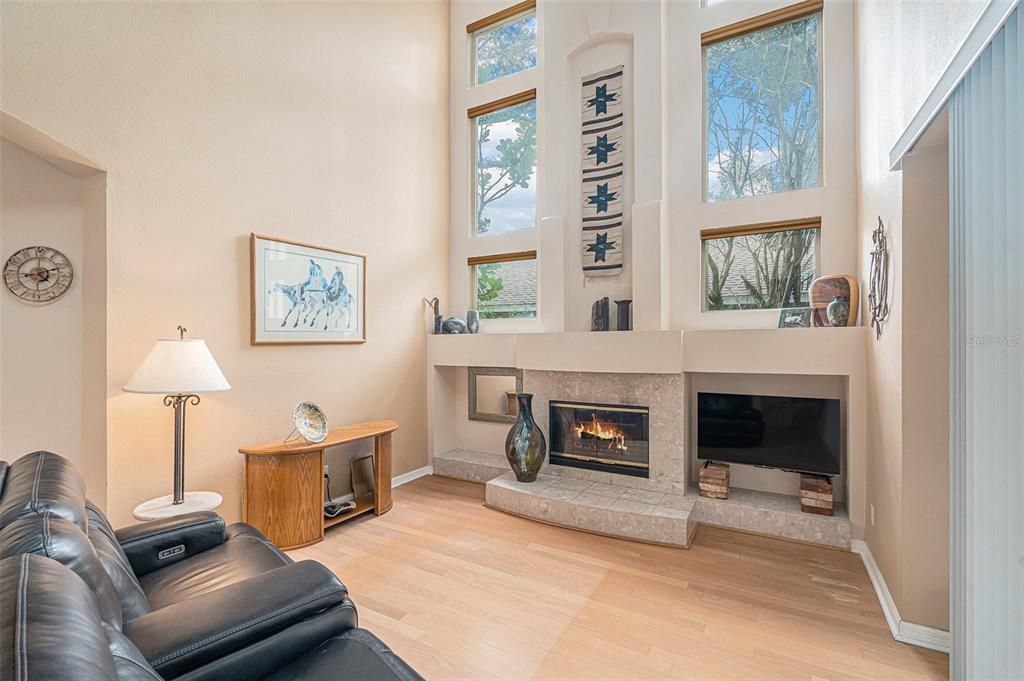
504 43
505 164
761 266
505 285
762 100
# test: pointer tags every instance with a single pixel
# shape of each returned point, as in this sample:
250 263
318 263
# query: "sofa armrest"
300 598
156 544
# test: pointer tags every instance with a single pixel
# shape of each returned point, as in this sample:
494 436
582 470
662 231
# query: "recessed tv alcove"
799 434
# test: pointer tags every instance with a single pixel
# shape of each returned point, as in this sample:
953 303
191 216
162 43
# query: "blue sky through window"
763 111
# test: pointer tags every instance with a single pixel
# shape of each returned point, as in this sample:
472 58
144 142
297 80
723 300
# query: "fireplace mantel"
771 351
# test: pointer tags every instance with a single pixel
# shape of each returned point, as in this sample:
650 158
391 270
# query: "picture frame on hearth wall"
305 294
795 318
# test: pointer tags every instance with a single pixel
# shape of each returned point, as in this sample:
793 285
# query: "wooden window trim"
760 228
503 103
501 15
501 258
766 20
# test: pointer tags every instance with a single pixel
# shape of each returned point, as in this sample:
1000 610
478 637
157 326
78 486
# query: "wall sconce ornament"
878 285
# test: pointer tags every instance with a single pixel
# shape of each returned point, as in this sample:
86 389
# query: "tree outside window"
760 271
506 48
506 290
505 159
763 110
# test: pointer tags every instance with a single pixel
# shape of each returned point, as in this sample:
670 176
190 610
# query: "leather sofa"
181 598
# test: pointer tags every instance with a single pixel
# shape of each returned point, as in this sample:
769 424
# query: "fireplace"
602 437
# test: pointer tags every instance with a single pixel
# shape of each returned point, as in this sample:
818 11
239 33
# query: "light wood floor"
465 592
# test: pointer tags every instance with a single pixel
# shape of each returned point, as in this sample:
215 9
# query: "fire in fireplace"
600 437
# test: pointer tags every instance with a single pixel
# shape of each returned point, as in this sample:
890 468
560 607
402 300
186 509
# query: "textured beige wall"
925 486
316 122
902 48
48 354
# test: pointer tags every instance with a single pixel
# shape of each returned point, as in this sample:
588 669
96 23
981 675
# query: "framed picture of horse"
303 293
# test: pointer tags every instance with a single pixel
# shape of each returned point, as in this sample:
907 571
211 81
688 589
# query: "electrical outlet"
872 509
327 470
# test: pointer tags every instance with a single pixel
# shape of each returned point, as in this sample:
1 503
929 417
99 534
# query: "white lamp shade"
177 366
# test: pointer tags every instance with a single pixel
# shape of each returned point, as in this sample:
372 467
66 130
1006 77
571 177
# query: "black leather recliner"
190 597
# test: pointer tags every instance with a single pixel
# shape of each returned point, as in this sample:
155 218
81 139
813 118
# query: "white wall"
50 351
902 49
310 121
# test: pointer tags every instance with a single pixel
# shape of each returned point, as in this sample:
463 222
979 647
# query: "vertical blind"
987 361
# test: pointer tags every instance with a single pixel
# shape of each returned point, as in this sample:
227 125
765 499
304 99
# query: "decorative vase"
838 311
599 315
525 446
453 325
473 321
622 315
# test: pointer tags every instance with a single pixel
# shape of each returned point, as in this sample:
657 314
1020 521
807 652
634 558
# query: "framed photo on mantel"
303 293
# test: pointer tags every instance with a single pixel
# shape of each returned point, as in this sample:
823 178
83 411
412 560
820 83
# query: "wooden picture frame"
473 410
303 294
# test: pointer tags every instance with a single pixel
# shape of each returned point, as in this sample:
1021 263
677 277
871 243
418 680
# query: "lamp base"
164 507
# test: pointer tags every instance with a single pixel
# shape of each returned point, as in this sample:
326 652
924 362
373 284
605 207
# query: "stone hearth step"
597 507
774 515
467 464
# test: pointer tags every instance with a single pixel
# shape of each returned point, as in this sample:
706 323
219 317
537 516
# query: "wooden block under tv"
283 489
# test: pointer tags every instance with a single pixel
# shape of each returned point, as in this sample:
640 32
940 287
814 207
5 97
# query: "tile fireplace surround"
662 394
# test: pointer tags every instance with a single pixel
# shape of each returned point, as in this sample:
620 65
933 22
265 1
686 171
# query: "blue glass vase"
525 446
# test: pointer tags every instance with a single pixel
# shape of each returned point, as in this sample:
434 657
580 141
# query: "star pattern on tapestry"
602 198
601 246
601 149
601 99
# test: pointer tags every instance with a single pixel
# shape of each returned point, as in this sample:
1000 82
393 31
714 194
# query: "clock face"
38 274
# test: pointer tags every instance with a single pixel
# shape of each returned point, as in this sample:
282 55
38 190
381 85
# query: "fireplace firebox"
603 437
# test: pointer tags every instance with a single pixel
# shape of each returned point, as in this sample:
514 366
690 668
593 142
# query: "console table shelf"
283 492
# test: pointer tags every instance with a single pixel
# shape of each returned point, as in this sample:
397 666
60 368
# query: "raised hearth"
649 515
602 508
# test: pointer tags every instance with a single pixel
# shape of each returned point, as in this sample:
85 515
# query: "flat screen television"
792 433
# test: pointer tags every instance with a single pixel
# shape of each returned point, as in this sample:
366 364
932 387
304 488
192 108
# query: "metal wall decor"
878 291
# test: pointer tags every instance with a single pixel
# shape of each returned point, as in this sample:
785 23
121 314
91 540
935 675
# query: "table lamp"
178 368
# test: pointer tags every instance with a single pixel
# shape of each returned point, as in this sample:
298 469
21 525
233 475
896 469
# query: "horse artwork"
294 301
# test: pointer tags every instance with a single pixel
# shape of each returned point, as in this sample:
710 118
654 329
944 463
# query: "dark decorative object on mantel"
435 306
525 446
453 325
878 285
473 321
599 315
838 311
622 315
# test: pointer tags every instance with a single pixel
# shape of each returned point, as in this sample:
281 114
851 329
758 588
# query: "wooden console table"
283 490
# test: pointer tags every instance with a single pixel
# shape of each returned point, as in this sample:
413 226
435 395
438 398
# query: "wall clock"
38 274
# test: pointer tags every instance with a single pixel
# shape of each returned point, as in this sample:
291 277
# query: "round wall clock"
38 274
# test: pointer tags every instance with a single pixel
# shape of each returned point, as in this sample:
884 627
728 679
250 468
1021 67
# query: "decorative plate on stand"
310 421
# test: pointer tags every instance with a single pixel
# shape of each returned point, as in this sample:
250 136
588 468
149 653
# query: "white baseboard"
400 480
902 631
